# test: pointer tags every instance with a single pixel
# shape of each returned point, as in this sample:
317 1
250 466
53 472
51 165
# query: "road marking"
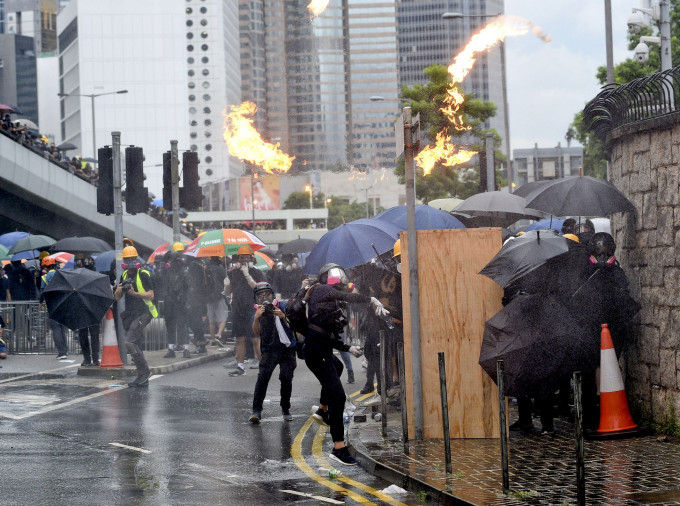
322 461
296 453
317 497
35 400
134 448
15 378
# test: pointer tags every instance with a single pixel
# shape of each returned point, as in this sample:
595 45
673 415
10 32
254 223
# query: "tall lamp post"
92 96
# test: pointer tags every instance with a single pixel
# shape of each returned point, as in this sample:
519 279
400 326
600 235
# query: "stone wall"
644 161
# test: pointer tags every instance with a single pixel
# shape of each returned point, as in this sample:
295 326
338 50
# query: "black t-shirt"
242 300
135 305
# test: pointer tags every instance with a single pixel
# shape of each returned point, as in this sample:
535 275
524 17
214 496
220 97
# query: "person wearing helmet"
327 319
242 280
568 226
178 247
136 286
49 266
174 304
89 345
288 278
277 344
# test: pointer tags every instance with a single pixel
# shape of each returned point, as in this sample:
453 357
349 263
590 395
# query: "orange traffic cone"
614 413
110 354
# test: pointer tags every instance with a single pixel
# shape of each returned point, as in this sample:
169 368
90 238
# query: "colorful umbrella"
264 263
62 257
222 242
162 250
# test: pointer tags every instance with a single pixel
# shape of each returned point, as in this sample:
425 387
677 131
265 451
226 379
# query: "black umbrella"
501 208
67 146
296 246
540 343
78 298
579 196
522 255
527 188
84 244
31 242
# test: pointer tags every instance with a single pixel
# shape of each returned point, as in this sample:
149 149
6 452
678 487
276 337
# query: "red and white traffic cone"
110 354
614 413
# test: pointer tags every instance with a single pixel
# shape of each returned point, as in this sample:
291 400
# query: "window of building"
206 110
192 98
193 135
193 147
189 10
205 59
206 97
190 35
189 22
191 73
204 10
208 159
190 48
192 110
192 86
190 60
206 85
207 122
204 22
204 47
208 147
208 133
204 35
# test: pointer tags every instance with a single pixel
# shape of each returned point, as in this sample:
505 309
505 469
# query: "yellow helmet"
397 248
178 246
573 237
130 252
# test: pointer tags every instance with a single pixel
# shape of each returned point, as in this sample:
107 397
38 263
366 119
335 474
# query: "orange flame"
316 7
245 143
491 34
357 174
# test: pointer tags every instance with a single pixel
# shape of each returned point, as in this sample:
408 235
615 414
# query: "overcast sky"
549 83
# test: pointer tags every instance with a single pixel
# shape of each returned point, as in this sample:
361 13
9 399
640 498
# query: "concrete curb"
178 365
403 480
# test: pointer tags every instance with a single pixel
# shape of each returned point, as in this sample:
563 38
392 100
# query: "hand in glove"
378 308
244 269
356 351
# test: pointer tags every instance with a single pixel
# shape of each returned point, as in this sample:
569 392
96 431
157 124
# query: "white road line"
15 378
140 450
317 497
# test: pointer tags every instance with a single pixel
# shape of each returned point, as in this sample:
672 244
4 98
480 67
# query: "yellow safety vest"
140 288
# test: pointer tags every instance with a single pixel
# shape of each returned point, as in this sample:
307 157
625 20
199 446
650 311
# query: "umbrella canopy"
522 255
78 298
264 263
539 342
527 188
31 242
26 122
161 250
350 244
6 108
222 242
502 207
445 204
579 196
3 253
10 238
103 261
157 202
84 244
296 246
427 218
547 224
62 257
67 146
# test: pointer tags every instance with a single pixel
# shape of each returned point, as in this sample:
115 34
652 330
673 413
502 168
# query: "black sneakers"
367 389
169 354
286 415
255 417
141 381
343 456
321 417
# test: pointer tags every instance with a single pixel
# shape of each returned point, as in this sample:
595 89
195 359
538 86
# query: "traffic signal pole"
174 160
118 236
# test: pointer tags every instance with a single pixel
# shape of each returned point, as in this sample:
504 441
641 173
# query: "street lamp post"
92 96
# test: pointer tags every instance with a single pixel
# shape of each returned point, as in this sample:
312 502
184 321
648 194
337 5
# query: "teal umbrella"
31 242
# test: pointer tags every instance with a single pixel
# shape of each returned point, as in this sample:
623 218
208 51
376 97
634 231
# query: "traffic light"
167 180
190 195
105 185
136 196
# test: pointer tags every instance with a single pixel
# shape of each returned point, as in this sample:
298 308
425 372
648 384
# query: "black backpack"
297 310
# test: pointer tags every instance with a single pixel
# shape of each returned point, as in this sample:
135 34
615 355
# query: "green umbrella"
3 253
31 242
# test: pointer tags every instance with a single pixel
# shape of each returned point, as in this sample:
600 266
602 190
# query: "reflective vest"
140 288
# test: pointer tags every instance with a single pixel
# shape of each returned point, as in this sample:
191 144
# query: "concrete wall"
644 162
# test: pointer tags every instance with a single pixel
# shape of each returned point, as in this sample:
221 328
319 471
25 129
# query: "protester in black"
326 320
174 302
277 343
89 347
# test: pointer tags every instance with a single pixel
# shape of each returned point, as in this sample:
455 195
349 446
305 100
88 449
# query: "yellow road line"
322 461
296 453
358 392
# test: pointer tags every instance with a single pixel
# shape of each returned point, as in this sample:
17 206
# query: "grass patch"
669 423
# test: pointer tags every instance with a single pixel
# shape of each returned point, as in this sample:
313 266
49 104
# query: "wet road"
184 440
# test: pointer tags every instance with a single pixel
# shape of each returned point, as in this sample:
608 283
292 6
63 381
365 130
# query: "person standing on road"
326 320
58 330
135 284
242 279
216 306
174 302
277 343
89 347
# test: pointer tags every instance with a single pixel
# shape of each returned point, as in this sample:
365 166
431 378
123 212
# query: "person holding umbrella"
89 347
136 286
50 265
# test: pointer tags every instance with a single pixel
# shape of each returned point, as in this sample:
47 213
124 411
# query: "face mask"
251 264
294 265
288 268
399 267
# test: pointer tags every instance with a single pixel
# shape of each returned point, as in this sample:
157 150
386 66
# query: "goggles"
336 276
263 296
245 258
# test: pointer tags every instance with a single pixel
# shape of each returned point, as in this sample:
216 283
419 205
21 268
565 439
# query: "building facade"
31 18
18 74
536 164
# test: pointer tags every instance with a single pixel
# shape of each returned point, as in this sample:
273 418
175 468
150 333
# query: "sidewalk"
644 470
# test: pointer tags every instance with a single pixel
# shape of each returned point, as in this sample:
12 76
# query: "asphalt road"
185 439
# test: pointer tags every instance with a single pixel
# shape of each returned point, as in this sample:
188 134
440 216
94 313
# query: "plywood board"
455 302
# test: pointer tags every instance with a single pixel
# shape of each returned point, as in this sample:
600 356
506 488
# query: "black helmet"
334 275
584 227
262 287
568 226
88 262
601 248
170 256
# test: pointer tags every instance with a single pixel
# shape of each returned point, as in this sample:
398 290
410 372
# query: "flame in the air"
316 7
443 151
245 143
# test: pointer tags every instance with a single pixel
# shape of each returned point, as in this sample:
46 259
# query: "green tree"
427 100
340 212
594 152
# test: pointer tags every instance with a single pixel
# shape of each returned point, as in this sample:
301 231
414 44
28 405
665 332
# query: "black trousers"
89 346
175 324
286 360
324 365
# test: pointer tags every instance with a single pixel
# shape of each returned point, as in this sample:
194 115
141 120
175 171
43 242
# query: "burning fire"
316 7
245 143
496 31
358 175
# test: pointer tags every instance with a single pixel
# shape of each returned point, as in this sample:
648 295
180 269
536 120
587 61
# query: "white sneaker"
373 401
255 364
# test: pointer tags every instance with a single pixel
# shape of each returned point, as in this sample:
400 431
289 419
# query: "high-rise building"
425 39
18 75
537 164
31 18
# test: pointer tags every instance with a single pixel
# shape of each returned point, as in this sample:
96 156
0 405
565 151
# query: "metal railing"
644 98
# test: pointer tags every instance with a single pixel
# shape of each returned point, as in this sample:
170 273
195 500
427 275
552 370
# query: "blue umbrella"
102 262
10 238
427 218
349 244
28 255
157 202
546 224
